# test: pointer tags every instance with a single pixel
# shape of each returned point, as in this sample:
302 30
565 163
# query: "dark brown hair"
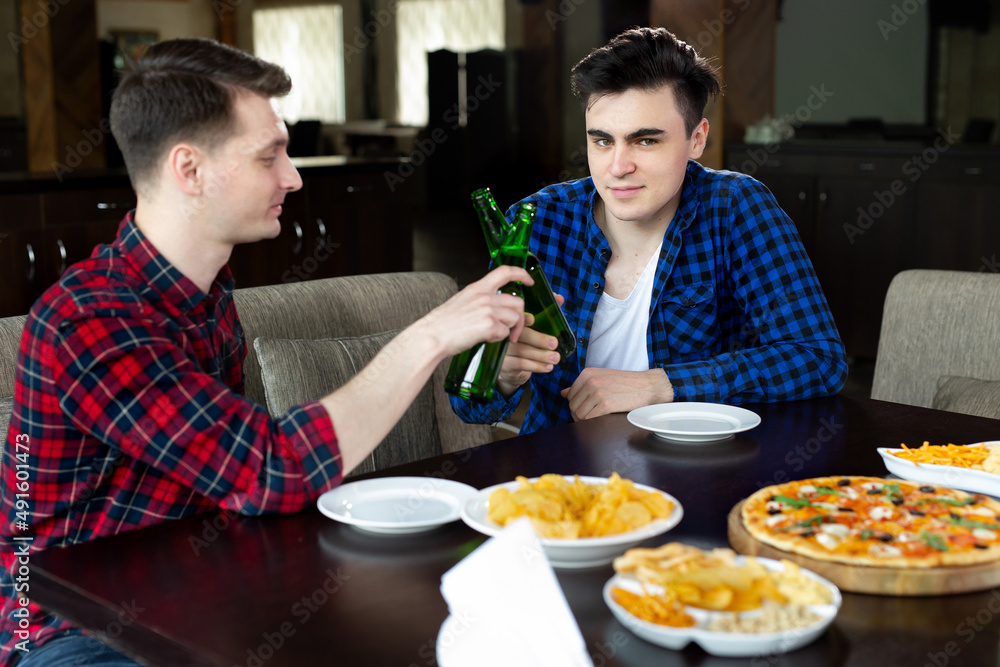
183 90
647 59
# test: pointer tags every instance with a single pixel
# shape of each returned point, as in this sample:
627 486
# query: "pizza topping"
827 506
969 523
981 511
774 520
880 513
807 488
838 529
927 489
971 500
884 550
933 541
844 482
984 534
792 502
886 537
827 540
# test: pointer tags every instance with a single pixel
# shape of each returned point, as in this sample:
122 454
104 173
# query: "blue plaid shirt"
737 314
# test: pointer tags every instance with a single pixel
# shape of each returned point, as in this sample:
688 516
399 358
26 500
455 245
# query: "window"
308 42
428 25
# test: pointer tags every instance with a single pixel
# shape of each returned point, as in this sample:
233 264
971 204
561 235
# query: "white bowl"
729 644
583 551
955 477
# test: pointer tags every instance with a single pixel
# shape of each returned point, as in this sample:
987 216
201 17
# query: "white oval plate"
693 422
574 553
967 479
728 644
396 505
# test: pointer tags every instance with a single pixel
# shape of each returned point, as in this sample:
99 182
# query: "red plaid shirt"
129 411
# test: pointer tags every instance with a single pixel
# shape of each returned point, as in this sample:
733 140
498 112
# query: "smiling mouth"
624 191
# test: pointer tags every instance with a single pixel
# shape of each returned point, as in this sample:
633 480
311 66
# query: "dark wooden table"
301 589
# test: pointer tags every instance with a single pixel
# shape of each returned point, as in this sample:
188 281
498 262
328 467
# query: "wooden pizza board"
874 580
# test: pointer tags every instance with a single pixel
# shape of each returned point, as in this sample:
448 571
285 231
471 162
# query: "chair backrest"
935 325
10 342
354 307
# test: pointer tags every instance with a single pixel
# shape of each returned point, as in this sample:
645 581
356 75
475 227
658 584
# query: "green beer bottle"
473 373
539 300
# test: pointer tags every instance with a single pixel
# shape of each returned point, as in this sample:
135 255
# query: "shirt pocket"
688 321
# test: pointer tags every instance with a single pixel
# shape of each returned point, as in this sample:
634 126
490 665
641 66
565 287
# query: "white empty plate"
693 422
396 505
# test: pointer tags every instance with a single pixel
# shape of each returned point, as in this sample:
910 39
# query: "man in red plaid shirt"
129 407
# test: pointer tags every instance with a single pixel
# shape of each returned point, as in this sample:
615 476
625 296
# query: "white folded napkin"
507 608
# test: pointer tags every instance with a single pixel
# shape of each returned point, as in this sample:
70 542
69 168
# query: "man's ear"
185 165
700 138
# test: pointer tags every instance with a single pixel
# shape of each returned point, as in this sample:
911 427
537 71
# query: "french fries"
562 509
945 455
661 609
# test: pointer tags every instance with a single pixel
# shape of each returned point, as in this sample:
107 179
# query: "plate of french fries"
581 521
974 468
730 605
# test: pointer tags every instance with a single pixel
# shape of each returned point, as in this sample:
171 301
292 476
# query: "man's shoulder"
710 182
97 286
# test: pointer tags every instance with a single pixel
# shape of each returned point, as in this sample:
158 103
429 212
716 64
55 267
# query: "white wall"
191 18
871 54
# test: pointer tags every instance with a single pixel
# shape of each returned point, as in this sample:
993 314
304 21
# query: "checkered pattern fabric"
128 412
737 314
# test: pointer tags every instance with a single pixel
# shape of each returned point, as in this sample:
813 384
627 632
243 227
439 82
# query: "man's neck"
181 240
631 238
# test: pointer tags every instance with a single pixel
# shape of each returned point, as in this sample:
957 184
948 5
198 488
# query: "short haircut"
648 59
183 90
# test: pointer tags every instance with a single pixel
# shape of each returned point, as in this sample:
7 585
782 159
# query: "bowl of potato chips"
730 605
581 521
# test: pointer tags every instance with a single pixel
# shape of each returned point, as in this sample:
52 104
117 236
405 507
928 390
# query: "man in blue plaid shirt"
682 283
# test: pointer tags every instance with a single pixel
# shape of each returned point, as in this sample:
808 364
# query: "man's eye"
270 160
647 142
602 142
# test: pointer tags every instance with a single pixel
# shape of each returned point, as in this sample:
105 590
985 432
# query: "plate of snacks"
974 467
581 521
729 605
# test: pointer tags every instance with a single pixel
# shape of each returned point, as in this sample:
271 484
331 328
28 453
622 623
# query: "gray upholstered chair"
10 341
306 339
940 342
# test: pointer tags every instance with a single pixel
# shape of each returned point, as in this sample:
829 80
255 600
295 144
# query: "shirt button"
597 285
581 340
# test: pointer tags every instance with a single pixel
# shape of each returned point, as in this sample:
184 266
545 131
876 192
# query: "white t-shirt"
618 337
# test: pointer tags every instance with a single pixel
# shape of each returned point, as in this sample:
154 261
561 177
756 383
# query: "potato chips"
713 580
564 509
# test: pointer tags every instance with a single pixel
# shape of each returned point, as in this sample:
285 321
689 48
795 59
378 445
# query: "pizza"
876 522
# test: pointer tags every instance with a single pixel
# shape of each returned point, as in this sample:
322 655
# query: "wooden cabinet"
48 231
866 212
342 222
345 220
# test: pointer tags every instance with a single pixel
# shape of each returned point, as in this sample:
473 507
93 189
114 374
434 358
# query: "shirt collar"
160 276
